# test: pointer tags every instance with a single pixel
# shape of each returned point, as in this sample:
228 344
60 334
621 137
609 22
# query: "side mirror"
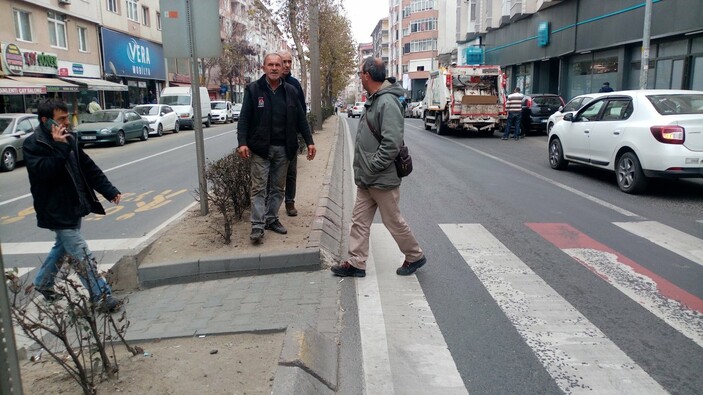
560 108
162 113
569 117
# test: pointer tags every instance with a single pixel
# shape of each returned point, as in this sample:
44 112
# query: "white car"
572 106
160 116
221 111
357 109
236 109
637 134
418 110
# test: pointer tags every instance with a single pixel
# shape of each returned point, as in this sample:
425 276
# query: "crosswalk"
579 357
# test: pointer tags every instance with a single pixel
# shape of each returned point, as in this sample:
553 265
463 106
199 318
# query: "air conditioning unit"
64 2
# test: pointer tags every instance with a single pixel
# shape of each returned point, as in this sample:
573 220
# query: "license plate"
544 121
88 137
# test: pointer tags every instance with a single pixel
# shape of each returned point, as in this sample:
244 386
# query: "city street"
157 179
537 281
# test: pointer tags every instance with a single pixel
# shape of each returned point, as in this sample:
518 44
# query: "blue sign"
474 55
127 56
543 34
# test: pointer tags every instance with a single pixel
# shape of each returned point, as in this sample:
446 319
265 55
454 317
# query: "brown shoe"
290 209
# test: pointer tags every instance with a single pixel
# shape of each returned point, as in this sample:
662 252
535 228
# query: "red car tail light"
669 134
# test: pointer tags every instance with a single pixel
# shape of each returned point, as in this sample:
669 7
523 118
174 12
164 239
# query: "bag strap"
373 131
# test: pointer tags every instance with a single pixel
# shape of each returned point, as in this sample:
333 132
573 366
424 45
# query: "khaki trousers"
386 201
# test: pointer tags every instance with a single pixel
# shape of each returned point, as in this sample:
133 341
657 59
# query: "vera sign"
128 56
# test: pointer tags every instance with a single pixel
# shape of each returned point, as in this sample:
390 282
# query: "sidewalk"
266 291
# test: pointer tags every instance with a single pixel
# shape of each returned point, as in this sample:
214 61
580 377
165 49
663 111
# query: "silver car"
15 129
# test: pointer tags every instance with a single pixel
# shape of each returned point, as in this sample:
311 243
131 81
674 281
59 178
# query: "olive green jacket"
373 161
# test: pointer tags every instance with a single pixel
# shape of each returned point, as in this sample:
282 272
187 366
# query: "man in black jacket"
63 180
268 127
292 174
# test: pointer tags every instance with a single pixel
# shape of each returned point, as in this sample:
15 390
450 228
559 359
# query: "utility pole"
645 43
197 114
315 64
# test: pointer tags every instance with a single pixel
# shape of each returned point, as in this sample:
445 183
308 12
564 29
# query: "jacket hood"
387 88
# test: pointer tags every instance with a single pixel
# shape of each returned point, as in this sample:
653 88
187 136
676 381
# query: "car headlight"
104 131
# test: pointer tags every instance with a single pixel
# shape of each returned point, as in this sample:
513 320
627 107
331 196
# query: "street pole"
197 113
645 44
315 64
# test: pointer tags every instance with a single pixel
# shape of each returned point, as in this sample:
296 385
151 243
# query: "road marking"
584 195
678 308
578 356
674 240
98 245
127 164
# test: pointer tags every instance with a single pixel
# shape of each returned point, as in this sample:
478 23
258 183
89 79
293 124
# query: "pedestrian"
270 120
94 106
63 180
605 88
514 108
378 184
292 173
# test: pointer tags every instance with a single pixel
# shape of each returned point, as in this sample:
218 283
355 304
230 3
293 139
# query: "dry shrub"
229 181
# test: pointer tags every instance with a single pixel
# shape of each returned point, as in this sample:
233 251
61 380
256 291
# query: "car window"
35 122
103 116
238 106
573 105
6 125
147 110
132 116
550 101
677 104
166 110
175 100
617 110
24 126
218 105
590 112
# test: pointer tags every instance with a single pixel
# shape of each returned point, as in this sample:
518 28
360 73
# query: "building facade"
420 35
363 51
571 47
380 40
395 40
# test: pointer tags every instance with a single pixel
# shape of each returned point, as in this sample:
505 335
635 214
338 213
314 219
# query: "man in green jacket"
378 184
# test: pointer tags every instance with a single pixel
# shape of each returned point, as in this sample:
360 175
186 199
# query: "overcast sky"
364 15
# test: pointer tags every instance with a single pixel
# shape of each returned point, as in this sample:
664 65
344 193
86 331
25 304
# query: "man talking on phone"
63 180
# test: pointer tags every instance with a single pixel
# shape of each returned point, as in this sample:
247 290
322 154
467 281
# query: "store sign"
74 69
543 34
13 60
128 56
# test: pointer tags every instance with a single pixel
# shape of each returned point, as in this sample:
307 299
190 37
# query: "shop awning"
51 84
12 87
95 84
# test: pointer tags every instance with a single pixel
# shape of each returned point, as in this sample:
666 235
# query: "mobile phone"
49 122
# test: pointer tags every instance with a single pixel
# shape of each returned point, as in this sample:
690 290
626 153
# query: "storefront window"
11 103
589 71
697 73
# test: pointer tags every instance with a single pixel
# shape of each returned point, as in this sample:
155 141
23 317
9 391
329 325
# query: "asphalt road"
540 281
157 178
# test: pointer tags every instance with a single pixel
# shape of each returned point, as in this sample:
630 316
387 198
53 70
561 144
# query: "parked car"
236 109
636 134
418 110
537 109
14 129
572 106
356 110
221 111
112 126
160 117
409 109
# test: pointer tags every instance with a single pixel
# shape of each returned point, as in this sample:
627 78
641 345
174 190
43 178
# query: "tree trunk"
293 6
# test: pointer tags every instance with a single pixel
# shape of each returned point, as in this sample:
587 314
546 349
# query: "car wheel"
442 129
176 127
9 160
208 122
631 178
120 139
160 130
145 134
428 126
556 155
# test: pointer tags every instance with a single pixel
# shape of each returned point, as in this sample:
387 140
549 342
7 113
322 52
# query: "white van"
181 100
221 111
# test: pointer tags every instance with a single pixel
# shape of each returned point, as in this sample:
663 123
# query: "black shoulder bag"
403 162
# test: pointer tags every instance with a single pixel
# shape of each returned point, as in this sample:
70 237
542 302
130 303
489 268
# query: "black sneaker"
409 268
257 234
49 294
277 227
345 269
109 304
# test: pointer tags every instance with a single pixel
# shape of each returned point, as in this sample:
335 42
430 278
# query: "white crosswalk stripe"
578 356
674 240
415 355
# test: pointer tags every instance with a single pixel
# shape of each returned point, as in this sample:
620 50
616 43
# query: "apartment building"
571 47
419 43
395 38
380 40
364 50
51 48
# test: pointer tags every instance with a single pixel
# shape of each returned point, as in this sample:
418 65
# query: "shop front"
136 63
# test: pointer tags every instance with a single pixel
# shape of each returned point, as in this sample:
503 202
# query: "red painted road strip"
564 236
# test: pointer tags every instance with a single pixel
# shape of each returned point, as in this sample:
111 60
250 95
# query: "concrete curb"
308 363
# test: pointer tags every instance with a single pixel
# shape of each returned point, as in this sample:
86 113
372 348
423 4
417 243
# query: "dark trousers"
291 177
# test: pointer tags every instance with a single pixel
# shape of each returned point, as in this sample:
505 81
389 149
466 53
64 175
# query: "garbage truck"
469 98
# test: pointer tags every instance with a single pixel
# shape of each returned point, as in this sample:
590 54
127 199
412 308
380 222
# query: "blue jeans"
263 210
71 242
514 118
